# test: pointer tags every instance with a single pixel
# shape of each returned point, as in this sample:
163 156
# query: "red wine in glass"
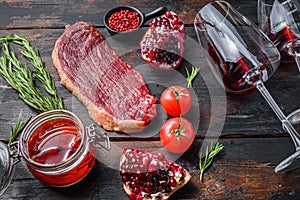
279 19
283 40
242 56
234 73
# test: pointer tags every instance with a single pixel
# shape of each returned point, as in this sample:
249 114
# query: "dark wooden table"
252 135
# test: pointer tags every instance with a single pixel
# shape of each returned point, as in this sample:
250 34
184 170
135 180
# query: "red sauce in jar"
54 143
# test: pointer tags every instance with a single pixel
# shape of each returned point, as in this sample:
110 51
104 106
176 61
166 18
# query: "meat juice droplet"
54 141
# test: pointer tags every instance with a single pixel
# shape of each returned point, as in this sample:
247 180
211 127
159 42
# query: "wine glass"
280 20
294 119
242 55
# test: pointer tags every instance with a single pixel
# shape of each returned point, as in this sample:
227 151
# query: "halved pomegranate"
150 176
162 46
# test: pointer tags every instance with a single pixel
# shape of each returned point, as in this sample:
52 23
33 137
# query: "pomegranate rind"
160 194
179 35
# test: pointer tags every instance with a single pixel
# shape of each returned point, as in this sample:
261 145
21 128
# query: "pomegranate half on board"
150 176
162 46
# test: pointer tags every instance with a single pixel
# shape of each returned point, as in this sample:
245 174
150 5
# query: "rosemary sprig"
21 78
15 131
32 54
205 162
190 76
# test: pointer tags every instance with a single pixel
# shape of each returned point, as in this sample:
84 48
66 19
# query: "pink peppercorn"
124 20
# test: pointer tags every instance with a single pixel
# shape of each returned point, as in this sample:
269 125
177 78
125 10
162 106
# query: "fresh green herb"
190 76
15 131
205 162
21 78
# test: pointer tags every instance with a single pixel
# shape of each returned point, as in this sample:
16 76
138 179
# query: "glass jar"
57 147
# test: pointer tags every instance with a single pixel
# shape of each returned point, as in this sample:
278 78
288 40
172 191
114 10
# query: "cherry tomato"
177 135
176 100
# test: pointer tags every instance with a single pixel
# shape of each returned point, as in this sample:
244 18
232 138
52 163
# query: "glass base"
292 161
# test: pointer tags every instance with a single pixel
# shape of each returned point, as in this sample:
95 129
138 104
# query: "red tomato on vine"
177 135
176 100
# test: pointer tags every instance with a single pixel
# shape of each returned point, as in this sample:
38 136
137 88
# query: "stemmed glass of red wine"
242 56
280 20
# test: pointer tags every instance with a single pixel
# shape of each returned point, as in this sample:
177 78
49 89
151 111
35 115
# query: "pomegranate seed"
170 173
147 190
175 21
147 184
139 162
136 190
168 14
130 155
133 184
174 168
173 182
176 26
125 179
151 54
160 156
133 196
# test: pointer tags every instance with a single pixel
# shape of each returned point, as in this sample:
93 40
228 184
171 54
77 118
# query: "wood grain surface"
244 170
252 135
44 14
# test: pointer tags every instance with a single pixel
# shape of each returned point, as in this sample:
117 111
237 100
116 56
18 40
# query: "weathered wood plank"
243 170
18 13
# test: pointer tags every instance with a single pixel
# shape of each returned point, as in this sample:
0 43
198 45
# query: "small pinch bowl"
143 17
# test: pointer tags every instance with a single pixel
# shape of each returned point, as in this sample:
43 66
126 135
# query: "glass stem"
297 59
294 49
288 161
285 122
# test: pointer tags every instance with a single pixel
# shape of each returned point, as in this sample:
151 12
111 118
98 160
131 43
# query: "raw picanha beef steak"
114 94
